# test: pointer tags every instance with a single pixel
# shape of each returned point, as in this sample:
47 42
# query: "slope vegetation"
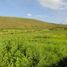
32 43
22 23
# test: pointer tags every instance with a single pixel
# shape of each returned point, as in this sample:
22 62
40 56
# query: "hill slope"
13 22
32 43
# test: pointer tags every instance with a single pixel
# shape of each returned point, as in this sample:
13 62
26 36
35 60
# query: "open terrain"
32 43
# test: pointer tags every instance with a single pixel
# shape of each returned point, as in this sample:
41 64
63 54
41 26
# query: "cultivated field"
32 43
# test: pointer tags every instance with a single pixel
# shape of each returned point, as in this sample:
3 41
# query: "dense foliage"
33 48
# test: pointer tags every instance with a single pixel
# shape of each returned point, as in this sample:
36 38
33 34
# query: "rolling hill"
32 43
22 23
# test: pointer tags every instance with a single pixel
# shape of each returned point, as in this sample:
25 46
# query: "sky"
52 11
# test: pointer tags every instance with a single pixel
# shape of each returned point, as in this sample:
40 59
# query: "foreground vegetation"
32 44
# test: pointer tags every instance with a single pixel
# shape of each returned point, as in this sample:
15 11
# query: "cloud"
65 21
53 4
29 14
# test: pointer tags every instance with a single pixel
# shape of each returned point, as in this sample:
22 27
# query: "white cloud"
29 14
65 21
53 4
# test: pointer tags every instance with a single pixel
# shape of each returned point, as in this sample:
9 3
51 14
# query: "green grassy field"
32 43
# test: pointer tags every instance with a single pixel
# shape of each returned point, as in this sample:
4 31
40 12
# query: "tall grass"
24 48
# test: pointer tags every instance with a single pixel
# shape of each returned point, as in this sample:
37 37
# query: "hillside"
32 43
22 23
